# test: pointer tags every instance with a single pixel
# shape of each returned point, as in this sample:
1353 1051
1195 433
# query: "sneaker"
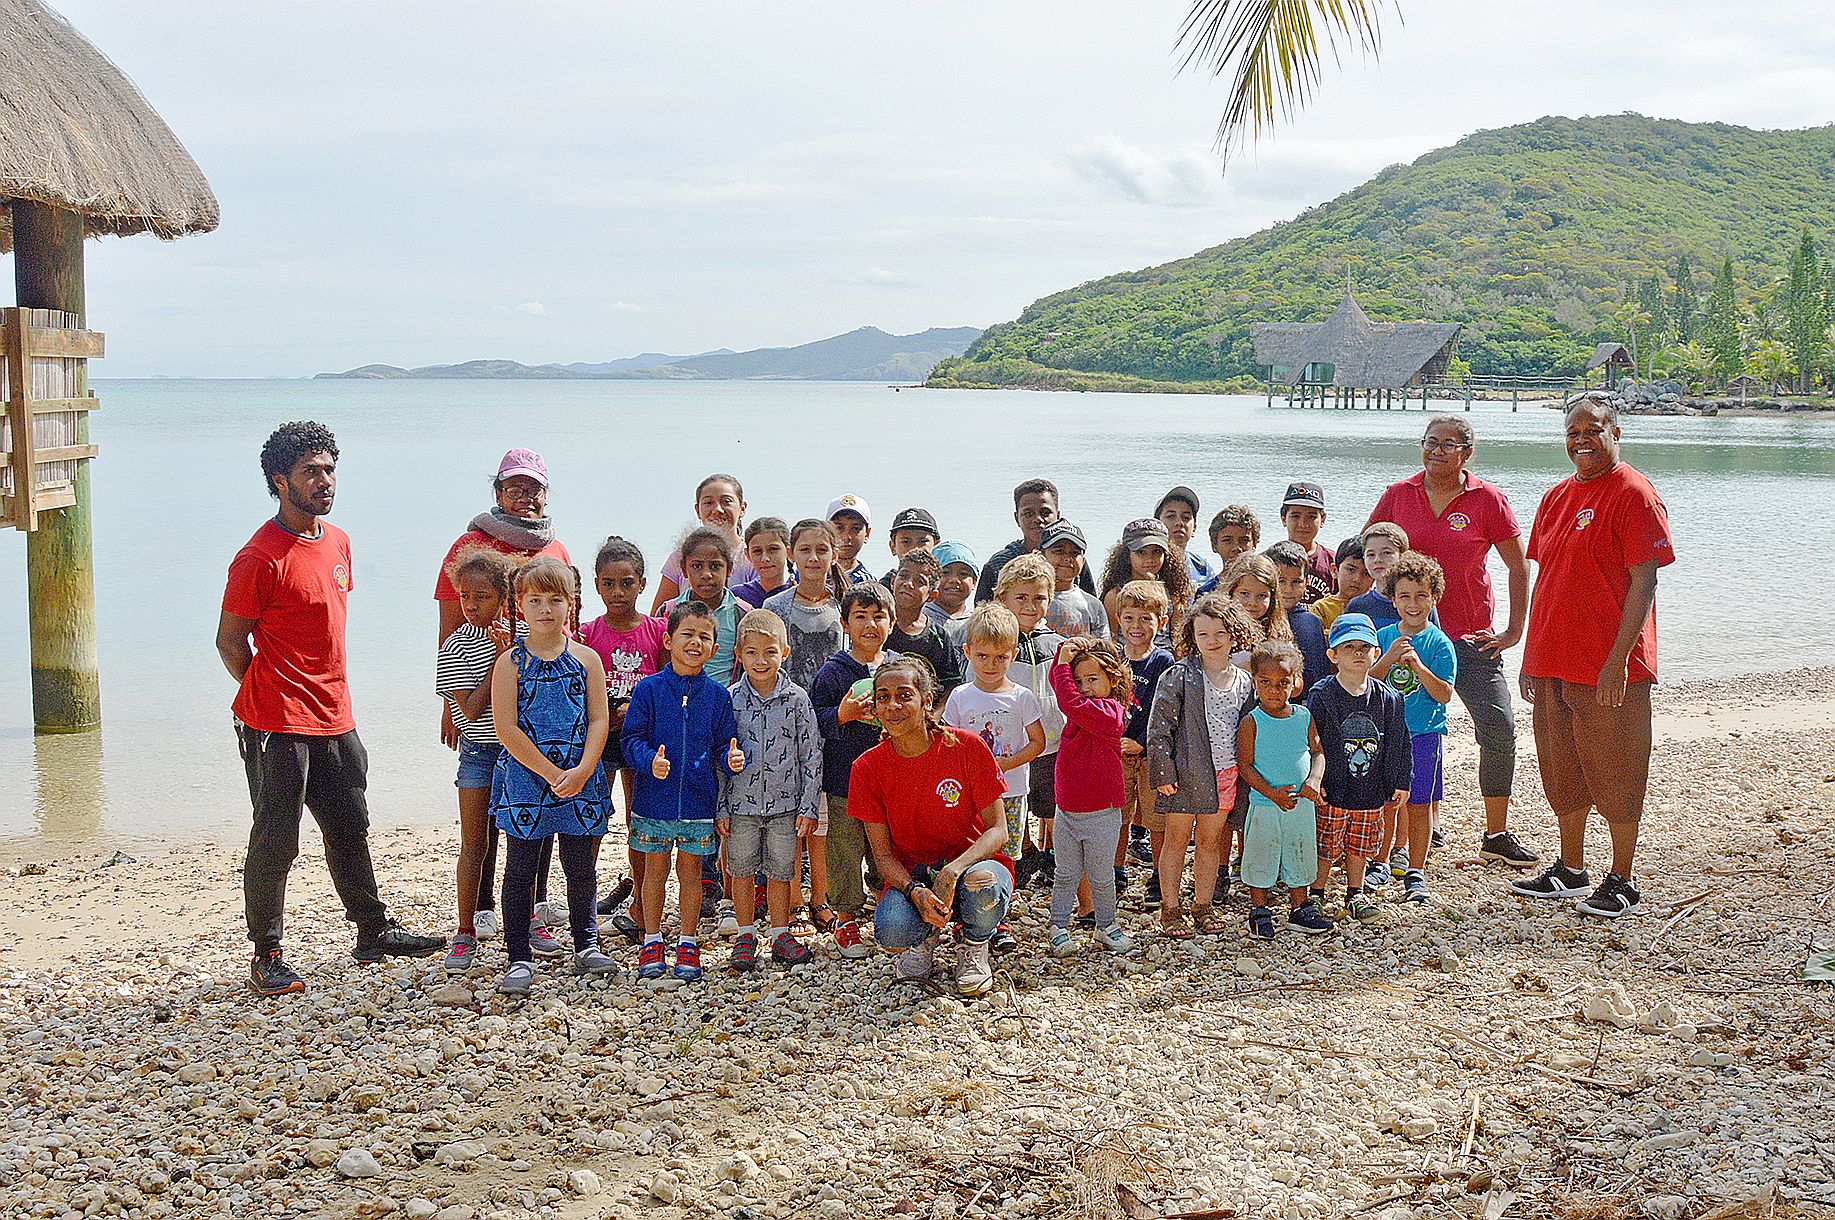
1087 920
650 961
1027 868
1506 848
1004 941
1436 838
1114 939
1414 885
1362 907
1615 896
1140 846
788 951
484 923
626 927
1047 874
552 913
974 973
1306 918
761 903
1377 874
729 919
393 940
542 942
849 942
1121 879
745 954
915 963
1556 881
1061 943
687 960
269 974
1151 895
1398 860
1223 885
594 960
617 897
1261 923
462 954
517 979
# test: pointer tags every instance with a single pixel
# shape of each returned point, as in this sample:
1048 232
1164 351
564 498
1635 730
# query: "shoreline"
1664 1065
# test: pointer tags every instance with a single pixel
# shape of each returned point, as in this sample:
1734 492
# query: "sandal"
823 917
800 921
1172 924
1208 921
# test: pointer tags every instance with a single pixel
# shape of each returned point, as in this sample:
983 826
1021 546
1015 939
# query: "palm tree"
1694 362
1271 51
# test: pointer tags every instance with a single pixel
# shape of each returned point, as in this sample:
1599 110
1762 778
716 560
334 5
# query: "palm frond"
1271 51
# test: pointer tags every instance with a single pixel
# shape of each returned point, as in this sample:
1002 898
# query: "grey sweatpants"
1483 687
1085 844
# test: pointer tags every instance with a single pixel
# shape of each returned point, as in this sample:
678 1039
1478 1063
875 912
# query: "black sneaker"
1140 846
1306 918
1121 879
1261 923
393 940
1152 893
269 974
1004 941
619 895
1557 881
1028 867
1506 848
1615 896
1087 920
1437 838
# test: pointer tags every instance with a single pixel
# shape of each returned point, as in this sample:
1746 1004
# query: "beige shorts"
1592 756
1138 798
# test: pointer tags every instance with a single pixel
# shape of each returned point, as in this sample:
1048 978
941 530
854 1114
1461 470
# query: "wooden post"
60 576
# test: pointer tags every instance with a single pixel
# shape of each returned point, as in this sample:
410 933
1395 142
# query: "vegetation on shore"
1544 239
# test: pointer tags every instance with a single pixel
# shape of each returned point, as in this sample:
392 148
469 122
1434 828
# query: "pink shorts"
1226 789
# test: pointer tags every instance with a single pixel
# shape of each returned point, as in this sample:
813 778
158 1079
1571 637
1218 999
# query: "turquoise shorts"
1280 846
696 837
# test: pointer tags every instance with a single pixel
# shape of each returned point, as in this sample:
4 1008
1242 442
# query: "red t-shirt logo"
341 575
1458 520
951 792
1583 518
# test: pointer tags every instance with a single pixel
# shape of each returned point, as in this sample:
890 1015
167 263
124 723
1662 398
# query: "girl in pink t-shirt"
631 645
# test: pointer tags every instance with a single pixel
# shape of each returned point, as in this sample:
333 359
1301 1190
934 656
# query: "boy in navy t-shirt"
1364 732
1383 544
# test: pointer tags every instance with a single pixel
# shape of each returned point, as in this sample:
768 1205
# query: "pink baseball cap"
524 462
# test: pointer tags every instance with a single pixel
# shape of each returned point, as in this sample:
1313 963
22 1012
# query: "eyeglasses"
1438 446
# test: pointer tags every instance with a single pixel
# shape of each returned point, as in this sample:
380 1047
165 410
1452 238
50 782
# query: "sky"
418 183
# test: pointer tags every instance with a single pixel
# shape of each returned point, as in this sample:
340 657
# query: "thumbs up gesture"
735 757
659 766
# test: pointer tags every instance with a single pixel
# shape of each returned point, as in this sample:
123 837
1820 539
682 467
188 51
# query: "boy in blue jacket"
679 732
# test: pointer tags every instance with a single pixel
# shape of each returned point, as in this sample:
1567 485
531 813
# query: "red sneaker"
849 942
687 961
650 963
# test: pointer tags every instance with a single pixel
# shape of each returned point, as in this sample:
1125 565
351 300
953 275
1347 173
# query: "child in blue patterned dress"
549 706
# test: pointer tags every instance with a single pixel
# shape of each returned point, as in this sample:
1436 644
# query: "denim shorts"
476 763
762 845
694 836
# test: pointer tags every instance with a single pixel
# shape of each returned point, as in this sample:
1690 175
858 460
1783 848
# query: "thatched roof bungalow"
1359 353
75 134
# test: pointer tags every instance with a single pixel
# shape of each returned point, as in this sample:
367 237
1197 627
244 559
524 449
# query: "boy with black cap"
853 522
914 529
1072 612
1178 512
1303 513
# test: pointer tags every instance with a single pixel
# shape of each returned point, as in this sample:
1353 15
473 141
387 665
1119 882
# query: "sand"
1477 1056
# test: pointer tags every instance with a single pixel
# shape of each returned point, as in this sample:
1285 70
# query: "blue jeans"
897 924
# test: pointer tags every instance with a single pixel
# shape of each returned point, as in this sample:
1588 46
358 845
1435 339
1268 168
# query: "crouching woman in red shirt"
930 797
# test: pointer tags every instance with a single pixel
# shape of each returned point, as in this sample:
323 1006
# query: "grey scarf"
529 534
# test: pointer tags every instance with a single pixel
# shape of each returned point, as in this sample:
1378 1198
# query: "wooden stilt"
60 576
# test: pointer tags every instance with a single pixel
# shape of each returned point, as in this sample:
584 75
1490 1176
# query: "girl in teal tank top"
1279 755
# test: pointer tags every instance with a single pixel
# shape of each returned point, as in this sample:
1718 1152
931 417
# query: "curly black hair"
288 444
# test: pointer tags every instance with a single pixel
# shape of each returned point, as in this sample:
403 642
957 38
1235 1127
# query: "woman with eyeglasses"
1457 518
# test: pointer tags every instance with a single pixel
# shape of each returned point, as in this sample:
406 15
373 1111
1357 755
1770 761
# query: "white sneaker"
1061 943
915 962
729 919
484 923
552 913
974 974
1114 939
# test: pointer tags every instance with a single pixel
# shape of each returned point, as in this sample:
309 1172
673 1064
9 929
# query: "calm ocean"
178 490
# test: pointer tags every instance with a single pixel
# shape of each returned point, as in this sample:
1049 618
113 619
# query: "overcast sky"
417 183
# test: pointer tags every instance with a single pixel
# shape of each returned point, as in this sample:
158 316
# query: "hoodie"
692 719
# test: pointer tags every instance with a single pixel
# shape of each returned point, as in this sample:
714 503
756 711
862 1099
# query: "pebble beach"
1478 1056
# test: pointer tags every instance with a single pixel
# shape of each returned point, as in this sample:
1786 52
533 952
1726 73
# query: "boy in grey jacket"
774 794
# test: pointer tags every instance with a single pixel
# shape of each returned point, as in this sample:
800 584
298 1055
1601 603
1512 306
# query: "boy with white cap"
853 522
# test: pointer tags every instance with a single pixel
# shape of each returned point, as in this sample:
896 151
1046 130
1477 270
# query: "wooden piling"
60 577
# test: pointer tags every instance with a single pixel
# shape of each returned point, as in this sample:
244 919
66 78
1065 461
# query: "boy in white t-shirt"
1001 712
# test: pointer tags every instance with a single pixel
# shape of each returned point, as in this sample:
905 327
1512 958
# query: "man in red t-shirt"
1598 540
281 636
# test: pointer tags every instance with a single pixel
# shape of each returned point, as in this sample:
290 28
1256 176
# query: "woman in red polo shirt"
1456 517
930 797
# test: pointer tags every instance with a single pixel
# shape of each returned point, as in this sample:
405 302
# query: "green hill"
1531 236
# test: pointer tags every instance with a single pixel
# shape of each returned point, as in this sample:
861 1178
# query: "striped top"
465 660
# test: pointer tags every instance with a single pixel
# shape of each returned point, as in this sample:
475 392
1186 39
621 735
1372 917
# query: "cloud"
535 309
1187 177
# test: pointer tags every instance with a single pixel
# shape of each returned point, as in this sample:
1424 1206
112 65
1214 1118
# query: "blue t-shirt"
1381 610
1147 673
753 592
1199 567
1424 713
1309 638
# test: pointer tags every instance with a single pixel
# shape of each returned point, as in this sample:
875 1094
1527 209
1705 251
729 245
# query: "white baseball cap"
850 503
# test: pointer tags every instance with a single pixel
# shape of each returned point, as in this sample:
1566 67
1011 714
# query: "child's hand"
1167 789
1283 796
1131 747
1312 794
569 782
735 759
500 634
1067 653
617 718
659 766
1399 797
724 826
854 707
805 827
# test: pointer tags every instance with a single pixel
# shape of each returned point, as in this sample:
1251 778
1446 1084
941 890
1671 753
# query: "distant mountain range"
867 354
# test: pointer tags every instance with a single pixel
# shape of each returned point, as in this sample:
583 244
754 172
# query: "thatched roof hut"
1362 354
1615 355
76 134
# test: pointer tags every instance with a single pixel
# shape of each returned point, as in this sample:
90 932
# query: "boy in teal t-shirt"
1418 661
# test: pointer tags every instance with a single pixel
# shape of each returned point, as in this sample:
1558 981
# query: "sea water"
178 489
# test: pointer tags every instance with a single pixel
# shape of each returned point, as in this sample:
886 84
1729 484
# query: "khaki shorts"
1138 797
1592 756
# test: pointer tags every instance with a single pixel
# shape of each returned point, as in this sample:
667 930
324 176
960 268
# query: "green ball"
864 687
